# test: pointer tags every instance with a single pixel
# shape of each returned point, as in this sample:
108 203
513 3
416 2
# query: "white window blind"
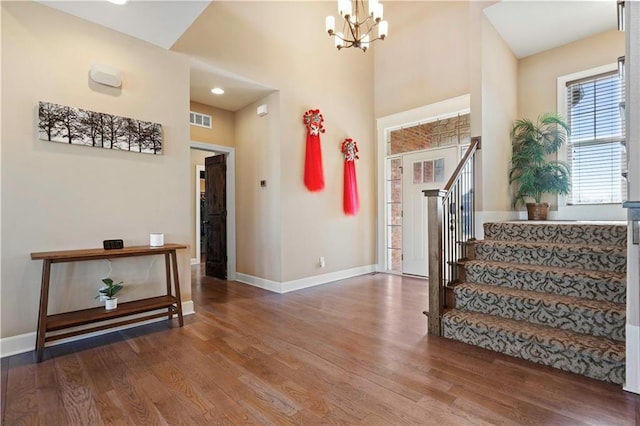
596 152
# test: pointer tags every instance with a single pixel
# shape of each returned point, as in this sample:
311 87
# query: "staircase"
551 293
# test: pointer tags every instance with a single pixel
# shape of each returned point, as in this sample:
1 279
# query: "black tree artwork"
63 124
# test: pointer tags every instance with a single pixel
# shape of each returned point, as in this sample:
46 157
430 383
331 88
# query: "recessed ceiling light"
217 91
119 2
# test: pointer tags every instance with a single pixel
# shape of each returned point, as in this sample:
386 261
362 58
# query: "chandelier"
357 24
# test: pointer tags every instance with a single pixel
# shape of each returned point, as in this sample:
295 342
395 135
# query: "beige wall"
258 209
445 49
301 61
499 109
426 57
222 131
57 196
537 93
538 74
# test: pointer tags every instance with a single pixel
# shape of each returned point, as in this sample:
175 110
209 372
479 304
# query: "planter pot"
537 211
110 304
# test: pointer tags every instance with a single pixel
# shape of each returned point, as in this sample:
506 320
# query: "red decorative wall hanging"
351 202
313 175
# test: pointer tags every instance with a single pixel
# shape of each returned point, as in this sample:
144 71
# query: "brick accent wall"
450 131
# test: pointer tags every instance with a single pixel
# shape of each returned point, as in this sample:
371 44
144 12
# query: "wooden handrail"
450 225
475 145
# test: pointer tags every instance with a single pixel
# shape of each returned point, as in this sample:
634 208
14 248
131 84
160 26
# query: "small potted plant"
533 174
109 291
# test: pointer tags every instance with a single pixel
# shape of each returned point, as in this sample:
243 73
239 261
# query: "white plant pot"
110 304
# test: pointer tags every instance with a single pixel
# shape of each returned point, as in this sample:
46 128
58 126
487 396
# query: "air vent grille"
200 120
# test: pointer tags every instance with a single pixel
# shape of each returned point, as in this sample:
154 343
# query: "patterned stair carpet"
551 293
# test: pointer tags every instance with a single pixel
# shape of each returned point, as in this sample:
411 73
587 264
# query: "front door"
422 170
215 220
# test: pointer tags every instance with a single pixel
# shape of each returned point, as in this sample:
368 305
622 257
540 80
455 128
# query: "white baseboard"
287 286
632 338
326 278
27 342
259 282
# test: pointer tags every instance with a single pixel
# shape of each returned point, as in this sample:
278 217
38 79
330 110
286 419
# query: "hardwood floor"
351 352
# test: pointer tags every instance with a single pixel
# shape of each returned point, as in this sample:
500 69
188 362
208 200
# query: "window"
595 149
428 171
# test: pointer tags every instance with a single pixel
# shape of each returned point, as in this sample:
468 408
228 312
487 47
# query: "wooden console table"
48 323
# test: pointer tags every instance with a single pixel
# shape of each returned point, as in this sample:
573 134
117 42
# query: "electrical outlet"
322 262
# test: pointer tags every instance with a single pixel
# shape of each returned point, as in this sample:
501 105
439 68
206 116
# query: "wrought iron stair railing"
451 223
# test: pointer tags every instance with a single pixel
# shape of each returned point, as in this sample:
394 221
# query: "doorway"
214 221
209 150
421 171
401 135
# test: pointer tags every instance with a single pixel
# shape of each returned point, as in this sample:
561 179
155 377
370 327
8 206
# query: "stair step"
604 319
607 233
596 357
590 257
594 285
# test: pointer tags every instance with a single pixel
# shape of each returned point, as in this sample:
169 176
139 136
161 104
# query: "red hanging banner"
351 202
313 175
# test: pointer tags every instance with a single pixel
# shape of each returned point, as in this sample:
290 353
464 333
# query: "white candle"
330 24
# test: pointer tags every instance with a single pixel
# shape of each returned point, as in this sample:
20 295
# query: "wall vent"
200 120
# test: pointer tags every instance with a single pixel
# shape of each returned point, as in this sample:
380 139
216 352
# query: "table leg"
42 314
176 283
167 268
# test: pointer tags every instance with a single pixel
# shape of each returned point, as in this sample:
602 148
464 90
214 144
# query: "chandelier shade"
357 24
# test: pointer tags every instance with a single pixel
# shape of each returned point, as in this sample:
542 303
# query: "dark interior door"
216 216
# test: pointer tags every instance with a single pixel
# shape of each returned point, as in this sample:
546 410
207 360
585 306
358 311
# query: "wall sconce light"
106 75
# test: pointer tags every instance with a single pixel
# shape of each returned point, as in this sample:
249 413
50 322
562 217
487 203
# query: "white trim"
326 278
632 337
293 285
274 286
632 111
199 168
443 109
26 342
231 200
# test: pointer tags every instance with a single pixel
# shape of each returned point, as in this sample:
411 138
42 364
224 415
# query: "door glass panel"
394 214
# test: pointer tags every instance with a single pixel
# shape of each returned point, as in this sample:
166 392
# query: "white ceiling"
158 22
162 23
527 26
238 92
530 27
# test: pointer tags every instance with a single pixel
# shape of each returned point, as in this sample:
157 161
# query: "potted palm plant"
109 291
532 173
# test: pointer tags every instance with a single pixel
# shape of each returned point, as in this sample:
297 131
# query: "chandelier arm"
368 31
368 18
350 43
352 29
